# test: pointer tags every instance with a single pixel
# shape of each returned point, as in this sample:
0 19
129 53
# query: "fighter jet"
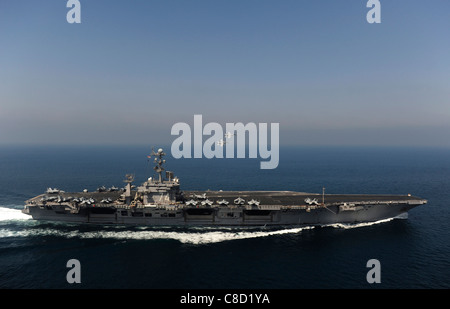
221 142
310 201
207 202
191 202
253 202
229 134
200 196
239 201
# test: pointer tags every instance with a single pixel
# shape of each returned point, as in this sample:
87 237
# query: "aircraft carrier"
159 201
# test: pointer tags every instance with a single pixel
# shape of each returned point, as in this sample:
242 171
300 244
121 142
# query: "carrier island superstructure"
160 201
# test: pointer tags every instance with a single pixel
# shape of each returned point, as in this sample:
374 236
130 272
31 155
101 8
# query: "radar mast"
159 162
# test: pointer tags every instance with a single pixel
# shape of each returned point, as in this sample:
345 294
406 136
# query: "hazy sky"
132 69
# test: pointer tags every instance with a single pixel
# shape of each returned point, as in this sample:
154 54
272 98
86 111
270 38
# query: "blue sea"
413 252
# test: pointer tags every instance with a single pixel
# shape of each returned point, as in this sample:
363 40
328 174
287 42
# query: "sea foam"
8 214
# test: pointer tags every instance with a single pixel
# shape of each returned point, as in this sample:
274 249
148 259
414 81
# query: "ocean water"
413 251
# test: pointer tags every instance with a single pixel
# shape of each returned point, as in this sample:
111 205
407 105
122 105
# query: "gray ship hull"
274 208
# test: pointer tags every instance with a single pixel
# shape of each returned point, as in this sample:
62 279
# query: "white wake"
8 214
196 238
